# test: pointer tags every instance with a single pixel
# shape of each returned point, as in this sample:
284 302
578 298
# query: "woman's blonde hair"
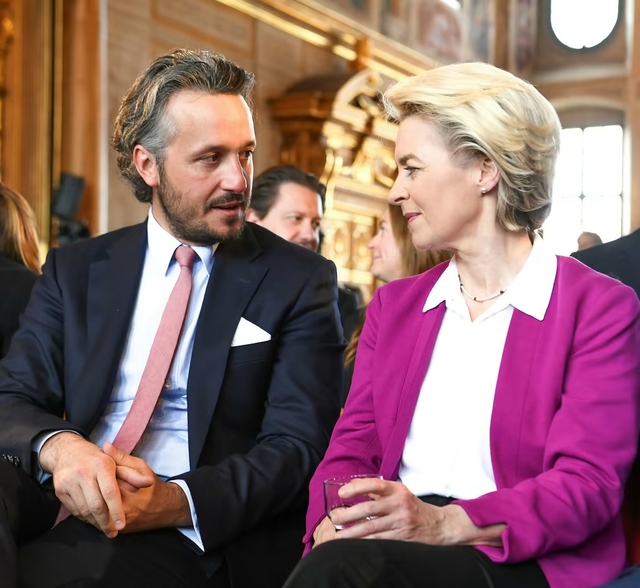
483 111
18 231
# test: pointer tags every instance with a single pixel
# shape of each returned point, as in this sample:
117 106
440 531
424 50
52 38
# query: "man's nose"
234 177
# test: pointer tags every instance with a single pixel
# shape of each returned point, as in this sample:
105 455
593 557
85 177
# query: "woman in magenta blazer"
497 394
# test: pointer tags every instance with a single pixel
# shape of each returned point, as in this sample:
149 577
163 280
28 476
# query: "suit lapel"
420 358
112 291
236 276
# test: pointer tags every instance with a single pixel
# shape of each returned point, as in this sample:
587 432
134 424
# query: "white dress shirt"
164 445
447 451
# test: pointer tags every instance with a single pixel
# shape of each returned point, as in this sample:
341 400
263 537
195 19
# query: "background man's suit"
16 282
260 415
619 259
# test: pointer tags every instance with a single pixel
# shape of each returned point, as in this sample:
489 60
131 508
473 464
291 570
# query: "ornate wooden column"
334 127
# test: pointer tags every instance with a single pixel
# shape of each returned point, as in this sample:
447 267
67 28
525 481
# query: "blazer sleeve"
590 445
303 403
354 446
32 373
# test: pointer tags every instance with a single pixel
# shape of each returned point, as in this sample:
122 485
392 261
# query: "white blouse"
448 450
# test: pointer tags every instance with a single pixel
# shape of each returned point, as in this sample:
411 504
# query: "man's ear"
489 174
146 165
252 216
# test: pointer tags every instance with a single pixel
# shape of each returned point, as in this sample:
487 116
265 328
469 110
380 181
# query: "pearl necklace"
475 298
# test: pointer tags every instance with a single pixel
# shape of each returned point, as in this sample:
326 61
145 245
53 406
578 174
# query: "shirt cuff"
37 445
192 533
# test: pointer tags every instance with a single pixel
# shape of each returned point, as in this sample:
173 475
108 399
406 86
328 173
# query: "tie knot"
185 256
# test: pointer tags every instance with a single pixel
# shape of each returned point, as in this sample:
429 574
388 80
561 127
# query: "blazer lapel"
514 384
113 288
236 276
420 358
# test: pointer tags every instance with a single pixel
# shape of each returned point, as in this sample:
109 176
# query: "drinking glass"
333 501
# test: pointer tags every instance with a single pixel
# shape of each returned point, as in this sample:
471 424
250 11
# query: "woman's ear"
146 165
489 175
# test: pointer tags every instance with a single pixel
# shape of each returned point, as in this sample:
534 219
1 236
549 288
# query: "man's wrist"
178 507
53 448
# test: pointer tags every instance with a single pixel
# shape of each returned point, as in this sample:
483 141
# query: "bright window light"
587 190
453 3
583 23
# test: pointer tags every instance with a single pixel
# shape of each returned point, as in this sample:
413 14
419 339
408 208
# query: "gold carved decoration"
335 127
6 38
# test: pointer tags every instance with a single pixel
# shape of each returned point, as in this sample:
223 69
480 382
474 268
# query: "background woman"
19 261
393 256
497 395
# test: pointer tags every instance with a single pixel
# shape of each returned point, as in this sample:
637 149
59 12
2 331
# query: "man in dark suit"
215 490
289 202
619 259
16 282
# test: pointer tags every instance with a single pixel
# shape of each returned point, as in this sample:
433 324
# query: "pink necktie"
158 363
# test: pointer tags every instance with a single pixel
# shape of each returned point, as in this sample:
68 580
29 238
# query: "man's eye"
248 154
213 158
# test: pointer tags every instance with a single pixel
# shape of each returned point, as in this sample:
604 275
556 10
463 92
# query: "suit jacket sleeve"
302 406
32 373
355 447
590 445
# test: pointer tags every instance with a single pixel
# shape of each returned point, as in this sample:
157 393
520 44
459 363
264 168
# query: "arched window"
587 191
582 24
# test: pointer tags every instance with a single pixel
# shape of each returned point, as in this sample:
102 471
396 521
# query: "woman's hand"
395 513
325 531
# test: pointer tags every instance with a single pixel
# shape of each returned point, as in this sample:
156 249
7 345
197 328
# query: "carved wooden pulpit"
334 126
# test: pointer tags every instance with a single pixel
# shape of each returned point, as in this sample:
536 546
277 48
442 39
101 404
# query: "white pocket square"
247 334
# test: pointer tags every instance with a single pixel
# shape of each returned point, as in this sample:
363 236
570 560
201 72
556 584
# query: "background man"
619 259
210 348
587 239
289 202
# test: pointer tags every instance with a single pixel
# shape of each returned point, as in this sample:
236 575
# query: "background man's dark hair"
142 118
267 185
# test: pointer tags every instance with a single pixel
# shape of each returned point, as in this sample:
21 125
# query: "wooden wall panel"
28 107
80 109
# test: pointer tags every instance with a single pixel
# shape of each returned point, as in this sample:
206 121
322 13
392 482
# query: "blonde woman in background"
19 261
393 256
495 395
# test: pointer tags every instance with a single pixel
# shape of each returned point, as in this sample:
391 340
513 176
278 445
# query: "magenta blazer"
564 428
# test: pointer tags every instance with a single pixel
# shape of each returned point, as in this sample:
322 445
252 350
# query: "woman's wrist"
459 529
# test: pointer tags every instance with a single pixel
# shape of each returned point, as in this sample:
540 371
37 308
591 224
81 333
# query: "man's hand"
147 506
84 479
395 513
324 532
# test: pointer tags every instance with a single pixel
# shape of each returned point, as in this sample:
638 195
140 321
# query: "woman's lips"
411 215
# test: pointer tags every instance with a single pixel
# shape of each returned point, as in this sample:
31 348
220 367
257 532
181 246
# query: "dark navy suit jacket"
259 415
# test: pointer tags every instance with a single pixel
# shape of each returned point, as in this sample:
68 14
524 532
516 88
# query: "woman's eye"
409 171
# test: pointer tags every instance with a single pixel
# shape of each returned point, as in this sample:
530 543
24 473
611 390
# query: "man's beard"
187 225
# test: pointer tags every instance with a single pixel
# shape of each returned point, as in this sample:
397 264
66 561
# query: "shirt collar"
163 244
530 292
